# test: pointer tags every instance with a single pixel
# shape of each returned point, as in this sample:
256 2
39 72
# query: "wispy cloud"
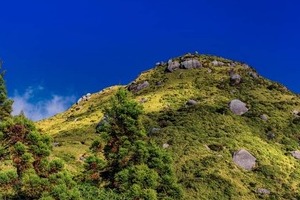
37 110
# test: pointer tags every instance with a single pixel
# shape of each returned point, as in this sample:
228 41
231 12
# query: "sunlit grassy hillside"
202 138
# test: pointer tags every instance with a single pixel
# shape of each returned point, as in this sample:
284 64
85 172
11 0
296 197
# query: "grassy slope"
204 173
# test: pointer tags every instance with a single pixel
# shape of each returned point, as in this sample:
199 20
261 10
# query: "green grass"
204 173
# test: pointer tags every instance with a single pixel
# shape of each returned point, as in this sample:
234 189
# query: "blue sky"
56 51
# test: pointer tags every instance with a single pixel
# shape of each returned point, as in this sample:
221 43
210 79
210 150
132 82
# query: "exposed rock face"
191 102
238 107
191 63
172 66
138 87
296 154
235 79
244 159
263 191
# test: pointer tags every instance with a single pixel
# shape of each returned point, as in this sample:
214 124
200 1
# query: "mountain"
231 133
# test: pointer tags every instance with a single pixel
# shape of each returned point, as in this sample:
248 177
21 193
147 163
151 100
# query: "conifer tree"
5 103
135 166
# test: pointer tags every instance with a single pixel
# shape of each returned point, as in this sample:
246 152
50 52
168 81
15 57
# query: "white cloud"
41 109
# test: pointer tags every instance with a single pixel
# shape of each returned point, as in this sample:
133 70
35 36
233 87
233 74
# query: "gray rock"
79 100
191 102
172 66
154 131
263 191
270 135
296 113
217 63
235 79
138 87
165 146
55 144
238 107
244 159
253 75
264 117
209 71
143 85
191 63
296 154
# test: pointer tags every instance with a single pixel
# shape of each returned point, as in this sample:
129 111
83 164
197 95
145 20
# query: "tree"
5 103
135 166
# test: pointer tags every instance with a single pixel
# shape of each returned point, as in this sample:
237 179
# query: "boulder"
166 145
244 159
191 102
191 63
235 79
138 87
296 154
172 66
238 107
216 63
263 191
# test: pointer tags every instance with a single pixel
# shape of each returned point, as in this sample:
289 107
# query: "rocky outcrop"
84 98
244 159
138 87
172 65
238 107
191 63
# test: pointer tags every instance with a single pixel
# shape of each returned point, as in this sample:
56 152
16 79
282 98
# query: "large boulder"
244 159
172 66
191 63
238 107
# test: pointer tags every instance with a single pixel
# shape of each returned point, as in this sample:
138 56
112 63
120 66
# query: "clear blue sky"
64 49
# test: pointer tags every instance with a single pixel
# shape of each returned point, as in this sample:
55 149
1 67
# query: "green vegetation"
149 144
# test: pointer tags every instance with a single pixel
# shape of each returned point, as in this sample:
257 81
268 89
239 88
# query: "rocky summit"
231 133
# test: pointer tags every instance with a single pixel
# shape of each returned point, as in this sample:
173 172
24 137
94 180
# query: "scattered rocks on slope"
244 159
263 191
191 63
138 87
172 65
84 98
238 107
296 154
264 117
191 102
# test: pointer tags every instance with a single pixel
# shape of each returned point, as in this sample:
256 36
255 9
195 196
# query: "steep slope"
204 133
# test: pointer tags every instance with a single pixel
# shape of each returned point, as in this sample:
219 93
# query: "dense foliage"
135 166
